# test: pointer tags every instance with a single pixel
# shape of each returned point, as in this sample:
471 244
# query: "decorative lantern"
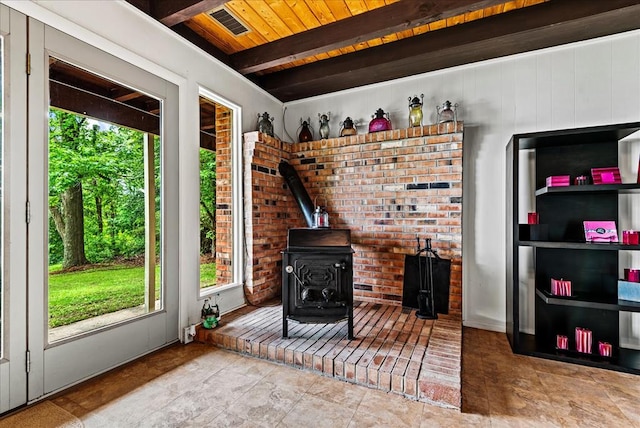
415 110
264 124
306 132
380 122
324 125
320 215
348 127
446 113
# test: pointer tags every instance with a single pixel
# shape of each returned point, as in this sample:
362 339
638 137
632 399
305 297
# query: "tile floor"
392 349
200 385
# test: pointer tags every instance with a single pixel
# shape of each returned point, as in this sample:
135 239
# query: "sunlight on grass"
207 275
55 268
80 295
76 296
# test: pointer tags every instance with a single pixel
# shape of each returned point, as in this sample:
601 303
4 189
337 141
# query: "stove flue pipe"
297 189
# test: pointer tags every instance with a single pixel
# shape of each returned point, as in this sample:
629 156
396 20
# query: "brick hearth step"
393 350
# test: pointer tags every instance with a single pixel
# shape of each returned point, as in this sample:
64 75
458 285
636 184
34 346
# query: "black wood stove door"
320 282
317 287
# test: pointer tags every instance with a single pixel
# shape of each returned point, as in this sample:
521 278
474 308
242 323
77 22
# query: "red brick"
364 178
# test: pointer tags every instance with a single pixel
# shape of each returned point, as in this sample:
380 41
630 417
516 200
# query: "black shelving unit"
592 267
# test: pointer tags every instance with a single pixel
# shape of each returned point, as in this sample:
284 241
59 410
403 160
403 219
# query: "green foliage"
109 162
207 201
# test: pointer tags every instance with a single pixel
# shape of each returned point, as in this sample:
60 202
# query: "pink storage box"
609 175
600 231
560 287
558 180
604 348
632 275
583 340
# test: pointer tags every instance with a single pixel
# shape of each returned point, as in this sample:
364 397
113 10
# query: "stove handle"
289 269
341 265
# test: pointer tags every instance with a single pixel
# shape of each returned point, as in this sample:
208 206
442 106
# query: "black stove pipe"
297 189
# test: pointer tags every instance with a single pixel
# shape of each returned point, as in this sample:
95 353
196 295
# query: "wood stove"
317 277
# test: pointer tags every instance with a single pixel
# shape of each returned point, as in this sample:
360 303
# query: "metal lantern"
306 131
348 127
324 125
446 113
265 124
380 122
320 215
415 110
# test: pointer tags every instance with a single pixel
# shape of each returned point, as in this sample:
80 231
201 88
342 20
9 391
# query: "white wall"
583 84
118 28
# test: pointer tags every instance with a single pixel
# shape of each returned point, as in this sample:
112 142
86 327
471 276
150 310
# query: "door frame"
103 349
13 375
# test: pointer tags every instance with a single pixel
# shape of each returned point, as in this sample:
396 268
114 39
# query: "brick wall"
224 273
269 210
386 187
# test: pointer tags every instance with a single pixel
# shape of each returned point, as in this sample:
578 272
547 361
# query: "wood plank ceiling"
300 48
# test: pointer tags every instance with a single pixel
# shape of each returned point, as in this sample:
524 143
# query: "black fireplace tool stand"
426 304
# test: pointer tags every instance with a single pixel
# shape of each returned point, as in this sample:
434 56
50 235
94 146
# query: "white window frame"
236 196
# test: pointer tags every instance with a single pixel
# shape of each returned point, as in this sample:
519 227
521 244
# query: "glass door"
102 174
13 226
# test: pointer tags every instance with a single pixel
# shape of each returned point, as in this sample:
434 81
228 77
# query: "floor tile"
311 410
200 385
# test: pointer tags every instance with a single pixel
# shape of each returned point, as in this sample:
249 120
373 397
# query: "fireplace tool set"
426 303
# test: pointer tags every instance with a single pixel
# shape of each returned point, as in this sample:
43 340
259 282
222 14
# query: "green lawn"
75 296
207 275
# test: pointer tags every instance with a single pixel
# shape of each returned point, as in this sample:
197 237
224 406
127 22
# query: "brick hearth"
393 350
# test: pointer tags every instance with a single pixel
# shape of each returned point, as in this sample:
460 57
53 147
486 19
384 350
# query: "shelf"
568 137
589 188
624 359
559 243
611 246
591 302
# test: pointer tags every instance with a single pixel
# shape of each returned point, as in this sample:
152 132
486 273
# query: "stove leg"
285 327
350 324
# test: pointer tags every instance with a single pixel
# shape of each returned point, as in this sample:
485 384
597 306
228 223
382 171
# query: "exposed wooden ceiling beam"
536 27
379 22
172 12
69 98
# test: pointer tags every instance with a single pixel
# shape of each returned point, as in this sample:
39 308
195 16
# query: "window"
104 202
219 196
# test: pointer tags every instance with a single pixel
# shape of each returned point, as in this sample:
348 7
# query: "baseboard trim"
486 325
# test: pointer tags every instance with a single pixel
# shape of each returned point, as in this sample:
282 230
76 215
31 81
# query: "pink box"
558 180
560 287
632 275
562 341
604 348
610 175
630 237
600 231
583 340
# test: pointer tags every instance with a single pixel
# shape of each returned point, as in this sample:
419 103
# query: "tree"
207 202
96 190
68 133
